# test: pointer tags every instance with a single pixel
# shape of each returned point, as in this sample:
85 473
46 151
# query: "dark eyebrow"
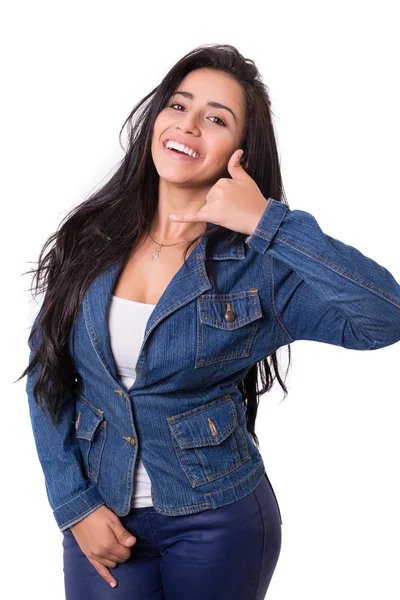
209 103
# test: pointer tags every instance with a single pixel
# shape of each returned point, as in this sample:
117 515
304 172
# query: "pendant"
156 252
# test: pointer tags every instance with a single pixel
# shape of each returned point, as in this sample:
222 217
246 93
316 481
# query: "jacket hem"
218 498
237 491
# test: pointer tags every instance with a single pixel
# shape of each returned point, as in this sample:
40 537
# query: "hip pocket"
90 431
208 440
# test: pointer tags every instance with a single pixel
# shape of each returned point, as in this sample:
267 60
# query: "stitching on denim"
216 475
181 457
258 230
93 338
99 442
200 338
250 293
182 510
269 235
337 269
129 484
234 439
206 440
75 498
235 484
94 412
92 407
242 445
239 354
225 471
172 307
200 457
201 267
226 399
271 294
82 513
231 326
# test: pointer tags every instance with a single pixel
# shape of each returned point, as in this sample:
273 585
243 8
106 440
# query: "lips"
179 155
184 143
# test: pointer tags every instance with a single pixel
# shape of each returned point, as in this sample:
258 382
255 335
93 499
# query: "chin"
171 176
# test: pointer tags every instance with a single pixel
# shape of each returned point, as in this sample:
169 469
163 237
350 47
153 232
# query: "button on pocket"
208 441
90 431
226 325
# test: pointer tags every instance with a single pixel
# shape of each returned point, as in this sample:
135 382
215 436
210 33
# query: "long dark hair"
101 229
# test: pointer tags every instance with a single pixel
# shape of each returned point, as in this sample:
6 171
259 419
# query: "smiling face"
206 113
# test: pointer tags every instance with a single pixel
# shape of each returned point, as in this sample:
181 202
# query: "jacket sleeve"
321 289
71 496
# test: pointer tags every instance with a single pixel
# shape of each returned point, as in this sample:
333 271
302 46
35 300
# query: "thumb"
234 167
123 535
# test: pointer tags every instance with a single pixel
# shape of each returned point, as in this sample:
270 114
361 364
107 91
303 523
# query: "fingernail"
113 584
172 216
130 539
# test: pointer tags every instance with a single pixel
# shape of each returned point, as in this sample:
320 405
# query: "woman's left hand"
236 203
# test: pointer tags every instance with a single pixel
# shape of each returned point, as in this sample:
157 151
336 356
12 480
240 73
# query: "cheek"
222 145
220 154
159 126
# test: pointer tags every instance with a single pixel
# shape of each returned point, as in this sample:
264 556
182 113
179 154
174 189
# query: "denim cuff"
77 509
267 226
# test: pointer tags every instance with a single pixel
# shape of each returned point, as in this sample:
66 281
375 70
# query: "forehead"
209 84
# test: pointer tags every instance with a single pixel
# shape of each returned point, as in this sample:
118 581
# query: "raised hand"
236 203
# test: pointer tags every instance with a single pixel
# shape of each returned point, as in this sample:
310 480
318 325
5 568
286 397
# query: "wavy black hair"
102 228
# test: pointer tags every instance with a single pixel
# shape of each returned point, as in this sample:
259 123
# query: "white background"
71 72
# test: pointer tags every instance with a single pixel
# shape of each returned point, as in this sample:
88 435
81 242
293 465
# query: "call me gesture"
236 203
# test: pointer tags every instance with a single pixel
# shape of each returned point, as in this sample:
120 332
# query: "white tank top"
129 316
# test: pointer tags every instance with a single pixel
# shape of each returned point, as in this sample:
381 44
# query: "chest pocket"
90 431
226 325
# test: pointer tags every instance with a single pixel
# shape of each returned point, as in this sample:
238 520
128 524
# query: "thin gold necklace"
156 252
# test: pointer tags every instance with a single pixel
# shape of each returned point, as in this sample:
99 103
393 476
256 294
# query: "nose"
187 124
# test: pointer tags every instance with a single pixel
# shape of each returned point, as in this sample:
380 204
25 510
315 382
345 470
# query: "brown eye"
220 123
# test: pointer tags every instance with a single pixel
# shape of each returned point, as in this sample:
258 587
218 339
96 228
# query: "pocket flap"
245 304
87 418
205 425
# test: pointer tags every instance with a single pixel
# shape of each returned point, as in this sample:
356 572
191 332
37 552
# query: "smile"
178 154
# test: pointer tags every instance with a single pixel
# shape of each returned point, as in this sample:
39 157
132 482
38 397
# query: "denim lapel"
187 284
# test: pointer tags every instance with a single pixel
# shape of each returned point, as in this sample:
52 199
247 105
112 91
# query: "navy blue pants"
224 553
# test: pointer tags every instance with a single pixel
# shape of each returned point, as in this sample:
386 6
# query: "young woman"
154 330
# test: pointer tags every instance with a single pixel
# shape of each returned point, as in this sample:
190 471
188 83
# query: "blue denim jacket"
286 281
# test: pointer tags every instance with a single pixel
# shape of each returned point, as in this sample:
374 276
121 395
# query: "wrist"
255 217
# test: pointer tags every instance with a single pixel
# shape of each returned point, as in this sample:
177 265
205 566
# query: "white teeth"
182 148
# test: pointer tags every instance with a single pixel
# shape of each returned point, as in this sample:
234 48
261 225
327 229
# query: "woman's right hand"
104 541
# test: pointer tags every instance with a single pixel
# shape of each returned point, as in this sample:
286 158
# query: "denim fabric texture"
184 414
